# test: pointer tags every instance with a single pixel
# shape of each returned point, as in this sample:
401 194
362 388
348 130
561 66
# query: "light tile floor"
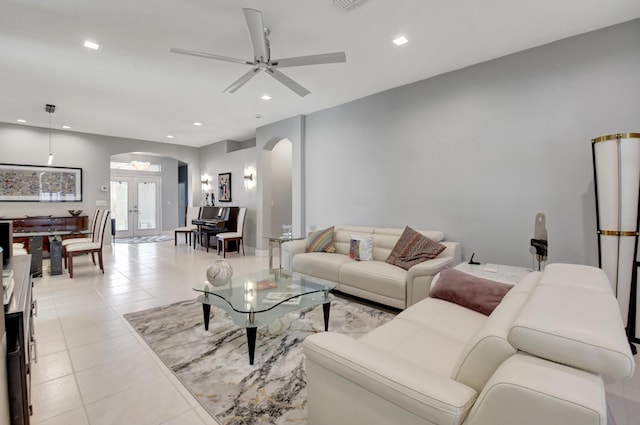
94 369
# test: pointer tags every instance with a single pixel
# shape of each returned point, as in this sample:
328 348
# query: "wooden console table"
47 224
36 232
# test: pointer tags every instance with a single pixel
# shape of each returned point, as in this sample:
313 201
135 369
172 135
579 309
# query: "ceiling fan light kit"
262 57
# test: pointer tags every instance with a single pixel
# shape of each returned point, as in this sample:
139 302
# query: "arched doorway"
145 193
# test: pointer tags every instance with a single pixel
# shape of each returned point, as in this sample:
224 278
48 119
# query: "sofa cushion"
375 276
488 347
413 248
321 264
430 335
361 248
476 293
579 326
321 241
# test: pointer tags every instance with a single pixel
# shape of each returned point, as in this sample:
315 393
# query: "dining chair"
73 241
188 229
89 247
237 236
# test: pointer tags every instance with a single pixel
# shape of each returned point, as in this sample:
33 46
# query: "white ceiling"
134 88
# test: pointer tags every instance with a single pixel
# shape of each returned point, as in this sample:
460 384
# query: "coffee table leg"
326 308
251 340
206 310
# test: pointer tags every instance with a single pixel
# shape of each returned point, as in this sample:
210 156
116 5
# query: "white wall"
478 152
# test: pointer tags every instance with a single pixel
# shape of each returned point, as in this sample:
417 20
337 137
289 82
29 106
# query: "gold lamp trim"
617 233
615 137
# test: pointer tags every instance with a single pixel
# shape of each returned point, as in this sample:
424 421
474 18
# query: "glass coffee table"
257 299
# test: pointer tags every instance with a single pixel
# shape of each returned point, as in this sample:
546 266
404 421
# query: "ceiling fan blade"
209 56
241 81
336 57
256 32
301 91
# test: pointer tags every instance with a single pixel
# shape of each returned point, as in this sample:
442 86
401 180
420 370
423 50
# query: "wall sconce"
205 182
249 178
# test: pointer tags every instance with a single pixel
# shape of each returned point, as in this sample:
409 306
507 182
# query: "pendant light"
50 109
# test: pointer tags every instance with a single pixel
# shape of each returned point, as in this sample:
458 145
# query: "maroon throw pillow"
472 292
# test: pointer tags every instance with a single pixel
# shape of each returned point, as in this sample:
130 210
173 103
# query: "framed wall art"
35 183
224 187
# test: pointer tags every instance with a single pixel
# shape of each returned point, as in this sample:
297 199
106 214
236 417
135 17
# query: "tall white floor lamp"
616 168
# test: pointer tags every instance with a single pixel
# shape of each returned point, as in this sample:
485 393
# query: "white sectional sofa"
536 359
373 280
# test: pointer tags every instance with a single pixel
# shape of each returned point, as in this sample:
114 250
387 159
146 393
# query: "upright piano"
214 220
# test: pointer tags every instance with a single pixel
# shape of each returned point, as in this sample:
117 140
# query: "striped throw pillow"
321 241
413 248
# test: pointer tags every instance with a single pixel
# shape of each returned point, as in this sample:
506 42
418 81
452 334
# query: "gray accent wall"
92 153
476 153
479 151
234 157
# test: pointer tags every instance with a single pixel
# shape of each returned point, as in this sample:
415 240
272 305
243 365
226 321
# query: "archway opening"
281 185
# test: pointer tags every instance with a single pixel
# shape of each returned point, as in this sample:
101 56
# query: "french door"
135 205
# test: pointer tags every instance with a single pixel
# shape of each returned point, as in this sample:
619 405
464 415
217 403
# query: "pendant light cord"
50 134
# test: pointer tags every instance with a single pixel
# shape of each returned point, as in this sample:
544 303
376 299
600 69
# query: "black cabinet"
20 340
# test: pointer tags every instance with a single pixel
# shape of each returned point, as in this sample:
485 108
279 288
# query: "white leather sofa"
537 359
373 280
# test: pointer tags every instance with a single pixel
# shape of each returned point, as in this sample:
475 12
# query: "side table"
277 240
497 272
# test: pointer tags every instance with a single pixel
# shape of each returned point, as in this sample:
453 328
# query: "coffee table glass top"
261 297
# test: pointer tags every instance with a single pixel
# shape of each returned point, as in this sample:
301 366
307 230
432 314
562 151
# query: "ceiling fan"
262 57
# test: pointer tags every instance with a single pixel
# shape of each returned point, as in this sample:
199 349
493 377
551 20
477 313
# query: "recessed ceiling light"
91 45
21 121
399 41
197 124
265 97
66 127
169 136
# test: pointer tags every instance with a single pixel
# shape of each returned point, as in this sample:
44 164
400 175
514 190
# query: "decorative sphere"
219 273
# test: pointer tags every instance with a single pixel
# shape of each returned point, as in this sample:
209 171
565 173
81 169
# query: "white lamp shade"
617 172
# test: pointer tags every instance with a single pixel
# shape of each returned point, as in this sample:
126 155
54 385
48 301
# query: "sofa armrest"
438 399
548 392
289 249
419 277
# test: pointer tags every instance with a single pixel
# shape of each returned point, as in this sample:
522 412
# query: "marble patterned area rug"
214 364
144 239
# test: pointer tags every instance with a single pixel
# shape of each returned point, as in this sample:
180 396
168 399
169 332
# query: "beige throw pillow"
361 248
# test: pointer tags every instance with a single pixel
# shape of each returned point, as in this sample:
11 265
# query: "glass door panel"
120 207
135 204
147 208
